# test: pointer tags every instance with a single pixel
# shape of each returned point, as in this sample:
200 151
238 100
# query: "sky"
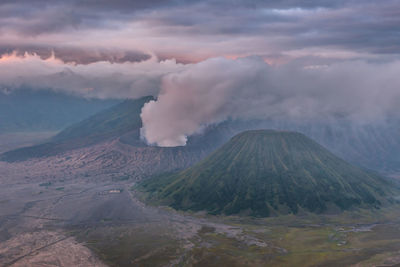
208 61
191 31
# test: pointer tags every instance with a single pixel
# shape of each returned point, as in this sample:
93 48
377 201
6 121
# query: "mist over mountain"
373 146
266 172
44 110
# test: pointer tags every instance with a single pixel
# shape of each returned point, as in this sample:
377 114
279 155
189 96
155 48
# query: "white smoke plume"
217 89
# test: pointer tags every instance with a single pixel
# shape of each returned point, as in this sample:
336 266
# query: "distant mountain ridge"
266 172
23 110
113 122
105 125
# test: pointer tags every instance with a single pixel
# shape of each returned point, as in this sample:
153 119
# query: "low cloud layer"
193 96
101 79
219 89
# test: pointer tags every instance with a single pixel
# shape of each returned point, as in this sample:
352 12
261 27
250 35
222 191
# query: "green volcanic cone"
266 172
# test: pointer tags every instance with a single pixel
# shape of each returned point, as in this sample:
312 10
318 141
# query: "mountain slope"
112 122
264 172
106 125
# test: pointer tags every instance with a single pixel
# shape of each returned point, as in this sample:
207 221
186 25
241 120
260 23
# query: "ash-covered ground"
52 210
79 209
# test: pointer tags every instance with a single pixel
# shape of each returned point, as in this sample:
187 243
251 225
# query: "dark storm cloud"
359 25
270 27
44 16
